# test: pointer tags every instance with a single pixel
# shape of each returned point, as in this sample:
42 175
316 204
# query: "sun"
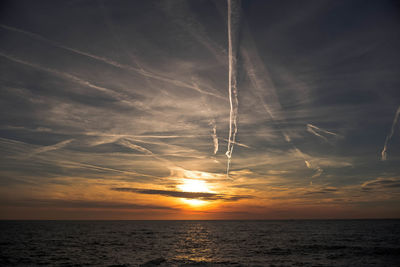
191 185
197 186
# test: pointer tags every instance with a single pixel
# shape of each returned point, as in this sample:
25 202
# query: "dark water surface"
200 243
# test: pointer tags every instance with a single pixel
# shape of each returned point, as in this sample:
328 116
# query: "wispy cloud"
381 184
322 191
214 136
384 150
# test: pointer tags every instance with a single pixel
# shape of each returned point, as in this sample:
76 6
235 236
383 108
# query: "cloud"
87 204
381 184
180 194
326 190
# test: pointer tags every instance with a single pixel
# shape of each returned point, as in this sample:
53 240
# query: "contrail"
108 61
233 34
143 136
236 143
100 168
72 163
195 29
322 130
50 148
56 44
318 172
128 144
260 86
70 77
316 131
316 168
212 122
311 130
384 150
214 136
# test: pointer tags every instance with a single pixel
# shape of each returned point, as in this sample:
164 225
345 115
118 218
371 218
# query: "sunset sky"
121 109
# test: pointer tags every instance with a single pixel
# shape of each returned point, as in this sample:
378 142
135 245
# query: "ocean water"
200 243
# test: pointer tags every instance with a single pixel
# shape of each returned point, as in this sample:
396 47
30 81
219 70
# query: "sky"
174 109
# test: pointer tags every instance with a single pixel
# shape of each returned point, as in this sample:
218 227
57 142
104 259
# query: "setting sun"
190 185
197 186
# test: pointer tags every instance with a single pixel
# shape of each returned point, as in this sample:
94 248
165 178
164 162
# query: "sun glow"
197 186
190 185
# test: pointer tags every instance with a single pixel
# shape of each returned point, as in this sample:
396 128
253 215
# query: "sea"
200 243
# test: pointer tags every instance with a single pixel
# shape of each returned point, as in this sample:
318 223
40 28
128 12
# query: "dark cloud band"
180 194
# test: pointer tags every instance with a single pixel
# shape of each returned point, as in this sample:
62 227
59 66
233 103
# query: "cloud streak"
214 136
381 184
322 191
384 150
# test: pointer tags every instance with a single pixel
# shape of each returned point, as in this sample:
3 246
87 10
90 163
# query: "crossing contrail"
384 150
50 148
233 34
236 143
